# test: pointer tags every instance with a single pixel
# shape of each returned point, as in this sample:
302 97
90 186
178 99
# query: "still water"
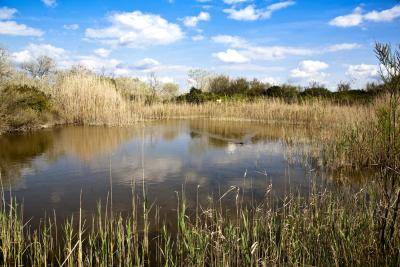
48 170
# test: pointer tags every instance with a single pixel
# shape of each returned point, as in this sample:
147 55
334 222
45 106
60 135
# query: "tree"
40 67
5 65
169 90
154 85
239 86
343 86
220 84
200 79
257 88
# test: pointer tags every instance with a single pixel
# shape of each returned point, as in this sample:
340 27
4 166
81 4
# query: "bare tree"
5 65
154 85
169 90
344 86
41 67
201 79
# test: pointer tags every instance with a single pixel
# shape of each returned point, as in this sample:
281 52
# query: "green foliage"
24 107
284 91
195 96
318 91
220 84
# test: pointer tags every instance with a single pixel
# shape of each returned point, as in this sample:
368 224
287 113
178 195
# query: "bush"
195 96
287 92
220 84
24 107
318 91
353 97
257 88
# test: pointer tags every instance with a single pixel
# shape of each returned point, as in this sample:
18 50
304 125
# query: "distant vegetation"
225 88
36 94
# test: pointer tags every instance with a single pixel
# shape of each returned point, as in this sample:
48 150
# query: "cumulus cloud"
310 70
72 27
50 3
232 2
7 13
9 27
102 52
271 80
343 46
33 51
233 41
231 56
146 63
13 28
268 53
197 37
248 51
194 20
251 13
363 72
136 29
357 17
276 52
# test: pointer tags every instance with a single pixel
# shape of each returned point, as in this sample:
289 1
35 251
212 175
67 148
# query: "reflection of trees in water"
17 152
220 134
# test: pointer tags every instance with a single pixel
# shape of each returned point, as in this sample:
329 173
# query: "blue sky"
295 41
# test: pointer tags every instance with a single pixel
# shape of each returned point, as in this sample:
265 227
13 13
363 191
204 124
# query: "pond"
49 170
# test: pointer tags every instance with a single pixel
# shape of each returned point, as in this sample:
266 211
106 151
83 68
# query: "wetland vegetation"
322 136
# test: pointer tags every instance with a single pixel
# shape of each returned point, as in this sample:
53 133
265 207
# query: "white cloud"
231 56
232 2
357 17
50 3
99 64
33 51
383 16
102 52
197 37
194 20
271 80
268 53
310 70
276 52
233 41
277 6
261 52
343 46
146 63
137 29
248 13
363 71
251 13
71 27
7 13
13 28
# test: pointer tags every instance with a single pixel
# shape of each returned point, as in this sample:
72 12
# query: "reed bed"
321 229
88 99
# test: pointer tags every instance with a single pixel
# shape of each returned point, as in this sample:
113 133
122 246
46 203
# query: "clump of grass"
322 229
88 99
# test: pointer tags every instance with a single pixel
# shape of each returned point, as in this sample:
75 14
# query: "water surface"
48 170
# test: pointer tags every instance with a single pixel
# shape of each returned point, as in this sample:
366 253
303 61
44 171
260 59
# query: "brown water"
47 170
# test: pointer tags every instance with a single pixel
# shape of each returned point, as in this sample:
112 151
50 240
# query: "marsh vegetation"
344 132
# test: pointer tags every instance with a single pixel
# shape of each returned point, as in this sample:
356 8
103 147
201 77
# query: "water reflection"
48 169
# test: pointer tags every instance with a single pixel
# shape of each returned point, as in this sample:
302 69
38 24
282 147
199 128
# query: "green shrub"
23 107
316 92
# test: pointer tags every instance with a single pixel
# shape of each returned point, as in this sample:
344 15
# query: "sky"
276 41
